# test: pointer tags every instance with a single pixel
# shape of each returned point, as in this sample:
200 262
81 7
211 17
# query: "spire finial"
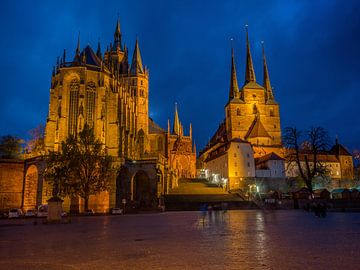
250 73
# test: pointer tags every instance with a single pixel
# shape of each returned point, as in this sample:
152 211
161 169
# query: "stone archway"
123 186
31 187
141 190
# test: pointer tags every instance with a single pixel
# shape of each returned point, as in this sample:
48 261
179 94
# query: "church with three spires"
251 128
106 92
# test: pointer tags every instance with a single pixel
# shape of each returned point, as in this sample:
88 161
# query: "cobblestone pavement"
185 240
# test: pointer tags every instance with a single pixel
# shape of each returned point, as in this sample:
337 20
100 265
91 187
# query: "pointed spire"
190 131
117 36
176 128
64 56
78 45
168 127
136 64
98 51
234 88
267 85
250 73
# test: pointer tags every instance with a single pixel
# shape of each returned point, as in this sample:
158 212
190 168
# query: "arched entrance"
141 191
31 187
123 189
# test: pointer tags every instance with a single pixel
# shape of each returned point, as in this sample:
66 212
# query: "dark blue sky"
313 51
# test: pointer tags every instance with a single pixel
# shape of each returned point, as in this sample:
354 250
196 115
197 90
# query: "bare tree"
303 150
35 145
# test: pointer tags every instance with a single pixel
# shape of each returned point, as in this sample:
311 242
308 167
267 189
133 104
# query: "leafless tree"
303 150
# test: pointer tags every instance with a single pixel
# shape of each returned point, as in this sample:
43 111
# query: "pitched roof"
90 56
340 150
154 128
256 130
270 156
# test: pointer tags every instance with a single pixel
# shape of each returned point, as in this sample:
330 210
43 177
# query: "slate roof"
340 150
154 128
91 58
270 156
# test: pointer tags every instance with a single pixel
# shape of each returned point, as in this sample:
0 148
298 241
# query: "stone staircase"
191 194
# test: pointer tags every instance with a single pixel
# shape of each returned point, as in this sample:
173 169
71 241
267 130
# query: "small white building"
270 166
231 162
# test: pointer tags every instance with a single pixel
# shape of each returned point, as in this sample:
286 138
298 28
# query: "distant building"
337 161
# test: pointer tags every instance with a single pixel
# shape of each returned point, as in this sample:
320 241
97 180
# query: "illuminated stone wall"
11 184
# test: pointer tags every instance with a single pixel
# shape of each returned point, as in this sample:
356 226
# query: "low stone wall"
11 184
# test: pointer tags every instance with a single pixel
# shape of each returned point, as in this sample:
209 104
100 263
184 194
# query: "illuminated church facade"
110 93
251 128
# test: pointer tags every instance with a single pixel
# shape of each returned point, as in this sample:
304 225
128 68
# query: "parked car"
30 213
89 212
42 210
116 211
15 213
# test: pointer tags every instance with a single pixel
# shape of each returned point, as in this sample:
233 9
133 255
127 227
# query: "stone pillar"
54 209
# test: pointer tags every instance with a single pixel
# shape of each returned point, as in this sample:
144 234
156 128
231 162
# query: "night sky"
312 47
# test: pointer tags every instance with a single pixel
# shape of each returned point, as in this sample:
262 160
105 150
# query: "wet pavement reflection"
185 240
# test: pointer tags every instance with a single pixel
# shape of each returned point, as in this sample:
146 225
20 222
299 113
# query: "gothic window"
59 110
255 110
238 112
73 106
90 103
274 126
271 112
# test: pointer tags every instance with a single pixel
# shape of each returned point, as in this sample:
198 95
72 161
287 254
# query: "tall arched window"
90 103
238 112
73 106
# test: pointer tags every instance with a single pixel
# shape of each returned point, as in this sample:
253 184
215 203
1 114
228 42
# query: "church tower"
252 114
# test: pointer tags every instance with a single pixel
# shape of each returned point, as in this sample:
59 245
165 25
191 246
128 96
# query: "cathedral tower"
252 114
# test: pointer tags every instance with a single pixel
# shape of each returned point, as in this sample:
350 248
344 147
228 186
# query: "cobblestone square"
185 240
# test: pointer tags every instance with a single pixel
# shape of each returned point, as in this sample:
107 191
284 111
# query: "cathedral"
110 92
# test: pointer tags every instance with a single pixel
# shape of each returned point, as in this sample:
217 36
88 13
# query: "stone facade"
112 96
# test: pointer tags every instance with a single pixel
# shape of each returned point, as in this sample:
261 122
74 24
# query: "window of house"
248 155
